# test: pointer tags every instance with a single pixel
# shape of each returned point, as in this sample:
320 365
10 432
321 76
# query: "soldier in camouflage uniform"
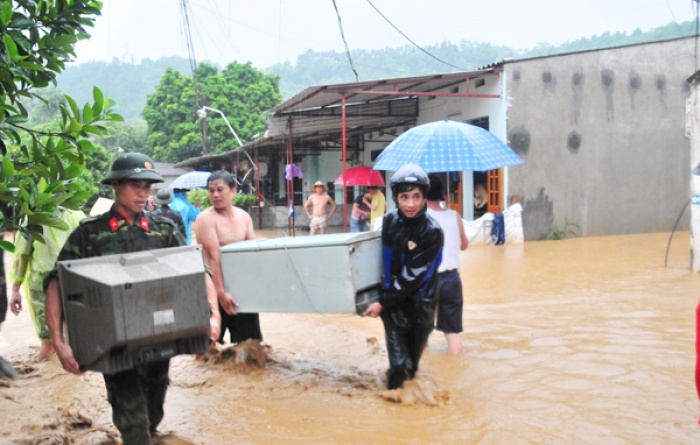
136 395
163 198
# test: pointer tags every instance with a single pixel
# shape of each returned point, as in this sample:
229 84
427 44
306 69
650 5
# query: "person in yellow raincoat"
31 263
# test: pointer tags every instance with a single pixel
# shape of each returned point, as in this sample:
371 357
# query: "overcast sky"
266 32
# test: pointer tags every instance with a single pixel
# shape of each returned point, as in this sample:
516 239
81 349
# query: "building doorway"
488 186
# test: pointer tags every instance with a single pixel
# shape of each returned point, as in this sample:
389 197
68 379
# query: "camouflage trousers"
137 398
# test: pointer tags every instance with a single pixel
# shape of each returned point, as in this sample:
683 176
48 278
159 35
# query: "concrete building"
602 133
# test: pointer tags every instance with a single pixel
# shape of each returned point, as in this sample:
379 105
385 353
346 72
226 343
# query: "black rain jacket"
412 250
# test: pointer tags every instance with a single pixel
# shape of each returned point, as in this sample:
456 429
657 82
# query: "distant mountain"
129 84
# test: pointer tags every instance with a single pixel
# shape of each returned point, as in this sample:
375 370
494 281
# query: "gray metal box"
128 309
337 273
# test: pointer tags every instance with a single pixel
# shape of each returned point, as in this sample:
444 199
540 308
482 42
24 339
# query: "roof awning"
314 114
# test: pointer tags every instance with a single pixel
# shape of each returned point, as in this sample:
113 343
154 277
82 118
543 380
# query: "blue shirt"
188 211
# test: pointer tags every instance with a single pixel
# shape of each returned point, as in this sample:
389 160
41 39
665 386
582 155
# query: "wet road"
578 341
582 341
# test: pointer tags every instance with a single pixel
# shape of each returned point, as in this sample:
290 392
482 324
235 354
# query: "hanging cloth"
291 171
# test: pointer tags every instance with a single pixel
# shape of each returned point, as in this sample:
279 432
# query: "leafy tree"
46 109
40 169
239 91
130 136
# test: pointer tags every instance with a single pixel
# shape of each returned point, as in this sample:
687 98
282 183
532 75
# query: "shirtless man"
320 200
217 226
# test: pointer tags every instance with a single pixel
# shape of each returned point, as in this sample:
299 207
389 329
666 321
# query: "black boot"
6 370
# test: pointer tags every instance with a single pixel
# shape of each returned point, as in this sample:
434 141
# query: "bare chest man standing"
219 225
320 202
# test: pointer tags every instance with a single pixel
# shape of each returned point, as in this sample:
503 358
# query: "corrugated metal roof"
315 114
329 96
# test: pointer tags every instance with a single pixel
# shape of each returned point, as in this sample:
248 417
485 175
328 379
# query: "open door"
495 190
455 191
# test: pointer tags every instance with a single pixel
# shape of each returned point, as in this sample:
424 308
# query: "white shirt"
448 220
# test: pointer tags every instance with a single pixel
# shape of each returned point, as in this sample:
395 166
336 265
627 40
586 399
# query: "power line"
697 28
412 42
342 34
188 35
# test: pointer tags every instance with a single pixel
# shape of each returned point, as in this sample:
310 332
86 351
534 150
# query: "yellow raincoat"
32 262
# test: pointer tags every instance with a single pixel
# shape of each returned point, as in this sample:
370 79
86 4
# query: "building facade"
602 133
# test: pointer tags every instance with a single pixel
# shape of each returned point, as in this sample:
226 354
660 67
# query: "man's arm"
306 206
464 241
205 230
54 319
356 208
16 300
214 315
371 204
18 271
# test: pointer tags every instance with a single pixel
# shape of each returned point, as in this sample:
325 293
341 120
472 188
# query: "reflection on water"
577 341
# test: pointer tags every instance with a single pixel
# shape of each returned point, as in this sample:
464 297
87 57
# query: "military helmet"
132 166
410 174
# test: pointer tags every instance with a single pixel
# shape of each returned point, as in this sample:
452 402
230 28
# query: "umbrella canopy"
190 180
447 146
360 176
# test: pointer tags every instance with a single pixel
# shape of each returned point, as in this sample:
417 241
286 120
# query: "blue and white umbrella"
190 180
447 146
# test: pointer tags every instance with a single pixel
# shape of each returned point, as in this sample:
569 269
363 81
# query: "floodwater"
581 341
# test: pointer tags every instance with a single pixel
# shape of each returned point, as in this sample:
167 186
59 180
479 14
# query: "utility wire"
342 34
673 16
412 42
188 36
697 28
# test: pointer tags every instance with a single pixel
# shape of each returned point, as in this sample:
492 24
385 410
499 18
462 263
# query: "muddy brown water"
582 341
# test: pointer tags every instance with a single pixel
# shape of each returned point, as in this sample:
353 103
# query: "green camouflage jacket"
109 234
169 213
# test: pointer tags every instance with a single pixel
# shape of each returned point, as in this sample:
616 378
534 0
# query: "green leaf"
99 100
36 233
46 219
7 246
94 129
30 65
73 105
43 199
85 145
42 185
75 125
73 171
87 113
6 13
8 168
11 47
17 119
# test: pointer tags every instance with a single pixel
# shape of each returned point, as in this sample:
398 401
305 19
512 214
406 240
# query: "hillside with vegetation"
129 84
